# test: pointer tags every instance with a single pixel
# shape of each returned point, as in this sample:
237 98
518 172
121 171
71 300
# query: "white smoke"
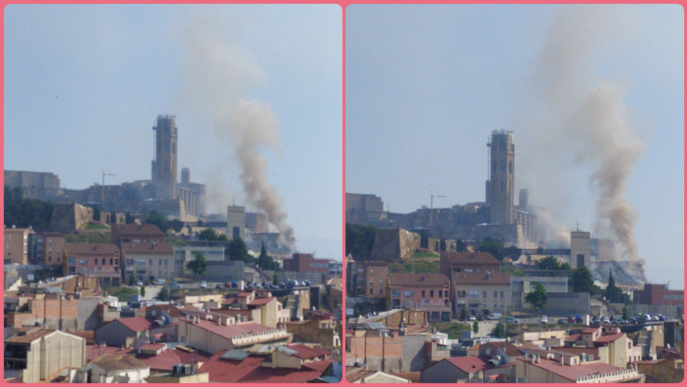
579 121
219 72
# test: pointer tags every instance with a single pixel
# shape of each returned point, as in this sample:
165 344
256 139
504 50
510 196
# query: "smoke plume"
219 73
578 120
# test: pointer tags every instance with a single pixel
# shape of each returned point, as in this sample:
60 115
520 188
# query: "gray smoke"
577 120
219 74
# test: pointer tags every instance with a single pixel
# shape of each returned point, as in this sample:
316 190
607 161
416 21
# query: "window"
83 261
372 271
150 262
116 262
496 294
140 262
111 261
396 293
501 293
431 293
484 294
423 293
159 262
103 260
473 294
409 293
372 291
166 262
72 261
381 291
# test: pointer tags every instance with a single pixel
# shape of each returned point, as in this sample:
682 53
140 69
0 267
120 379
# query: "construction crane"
106 174
102 188
431 208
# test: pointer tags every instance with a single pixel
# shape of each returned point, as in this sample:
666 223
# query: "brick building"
148 261
481 294
658 294
47 248
468 262
94 259
368 279
16 245
135 233
53 311
430 292
303 263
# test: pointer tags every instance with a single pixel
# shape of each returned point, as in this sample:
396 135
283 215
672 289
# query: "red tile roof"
30 336
418 279
13 380
590 330
576 371
136 324
250 370
469 364
232 331
171 310
478 258
140 229
305 352
148 248
574 337
231 300
578 350
609 338
93 351
508 348
244 294
261 301
91 249
463 278
112 362
168 358
152 347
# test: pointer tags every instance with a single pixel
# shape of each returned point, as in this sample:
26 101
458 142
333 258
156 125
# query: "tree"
424 239
210 234
238 251
463 314
128 219
583 281
158 220
359 240
275 279
626 313
24 213
143 291
538 297
552 263
96 213
163 295
176 225
442 244
460 246
512 252
198 265
499 331
493 247
132 280
613 292
475 327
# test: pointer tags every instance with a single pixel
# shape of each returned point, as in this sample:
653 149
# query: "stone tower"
165 163
501 184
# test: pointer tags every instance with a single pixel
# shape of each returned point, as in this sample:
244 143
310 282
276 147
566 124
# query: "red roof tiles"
261 301
576 371
168 358
136 324
609 338
232 331
305 352
418 279
463 278
470 257
469 364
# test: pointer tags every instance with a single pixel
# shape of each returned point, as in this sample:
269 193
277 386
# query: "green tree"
552 263
96 213
463 314
163 294
142 292
176 225
198 265
275 279
210 234
538 297
540 250
493 247
613 292
475 327
128 219
359 240
583 282
626 313
24 213
460 246
512 252
158 220
132 280
424 239
499 331
238 251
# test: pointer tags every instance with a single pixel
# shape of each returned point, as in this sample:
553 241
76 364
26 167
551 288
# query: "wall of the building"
116 335
442 372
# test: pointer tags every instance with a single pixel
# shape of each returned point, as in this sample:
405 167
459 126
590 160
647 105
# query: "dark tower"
501 182
165 163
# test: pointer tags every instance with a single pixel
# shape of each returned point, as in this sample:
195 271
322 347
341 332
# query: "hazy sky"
84 84
426 85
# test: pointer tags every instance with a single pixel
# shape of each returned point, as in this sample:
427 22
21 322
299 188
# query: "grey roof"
375 325
235 354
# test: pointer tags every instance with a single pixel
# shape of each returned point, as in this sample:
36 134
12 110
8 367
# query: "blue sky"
426 85
84 84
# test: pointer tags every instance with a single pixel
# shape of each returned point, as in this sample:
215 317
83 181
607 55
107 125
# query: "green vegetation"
475 327
418 267
425 254
511 270
211 235
460 246
552 263
143 291
614 293
160 221
128 219
453 329
499 331
583 282
95 226
359 240
122 293
88 237
538 297
493 247
198 265
265 261
238 251
174 240
163 294
463 314
23 213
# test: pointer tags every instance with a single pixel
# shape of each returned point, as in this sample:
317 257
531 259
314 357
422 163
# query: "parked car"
219 286
139 283
308 283
572 320
472 318
562 321
203 285
160 281
512 320
174 285
544 320
596 320
494 316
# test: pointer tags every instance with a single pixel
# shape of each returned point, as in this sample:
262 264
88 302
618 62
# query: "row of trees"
360 239
23 212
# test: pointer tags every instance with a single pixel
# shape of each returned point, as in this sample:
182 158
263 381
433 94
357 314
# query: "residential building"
125 332
452 262
226 333
482 294
94 259
51 310
111 368
17 245
621 350
135 233
658 294
466 369
569 368
148 261
369 280
47 248
295 363
35 353
263 308
320 327
429 292
360 375
307 263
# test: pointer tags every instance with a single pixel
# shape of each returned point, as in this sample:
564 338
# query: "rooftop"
148 248
136 324
463 278
27 336
473 258
232 331
469 364
112 362
418 279
140 229
576 371
91 248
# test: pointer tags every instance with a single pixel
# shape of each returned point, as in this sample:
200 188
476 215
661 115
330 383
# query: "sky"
426 85
85 83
